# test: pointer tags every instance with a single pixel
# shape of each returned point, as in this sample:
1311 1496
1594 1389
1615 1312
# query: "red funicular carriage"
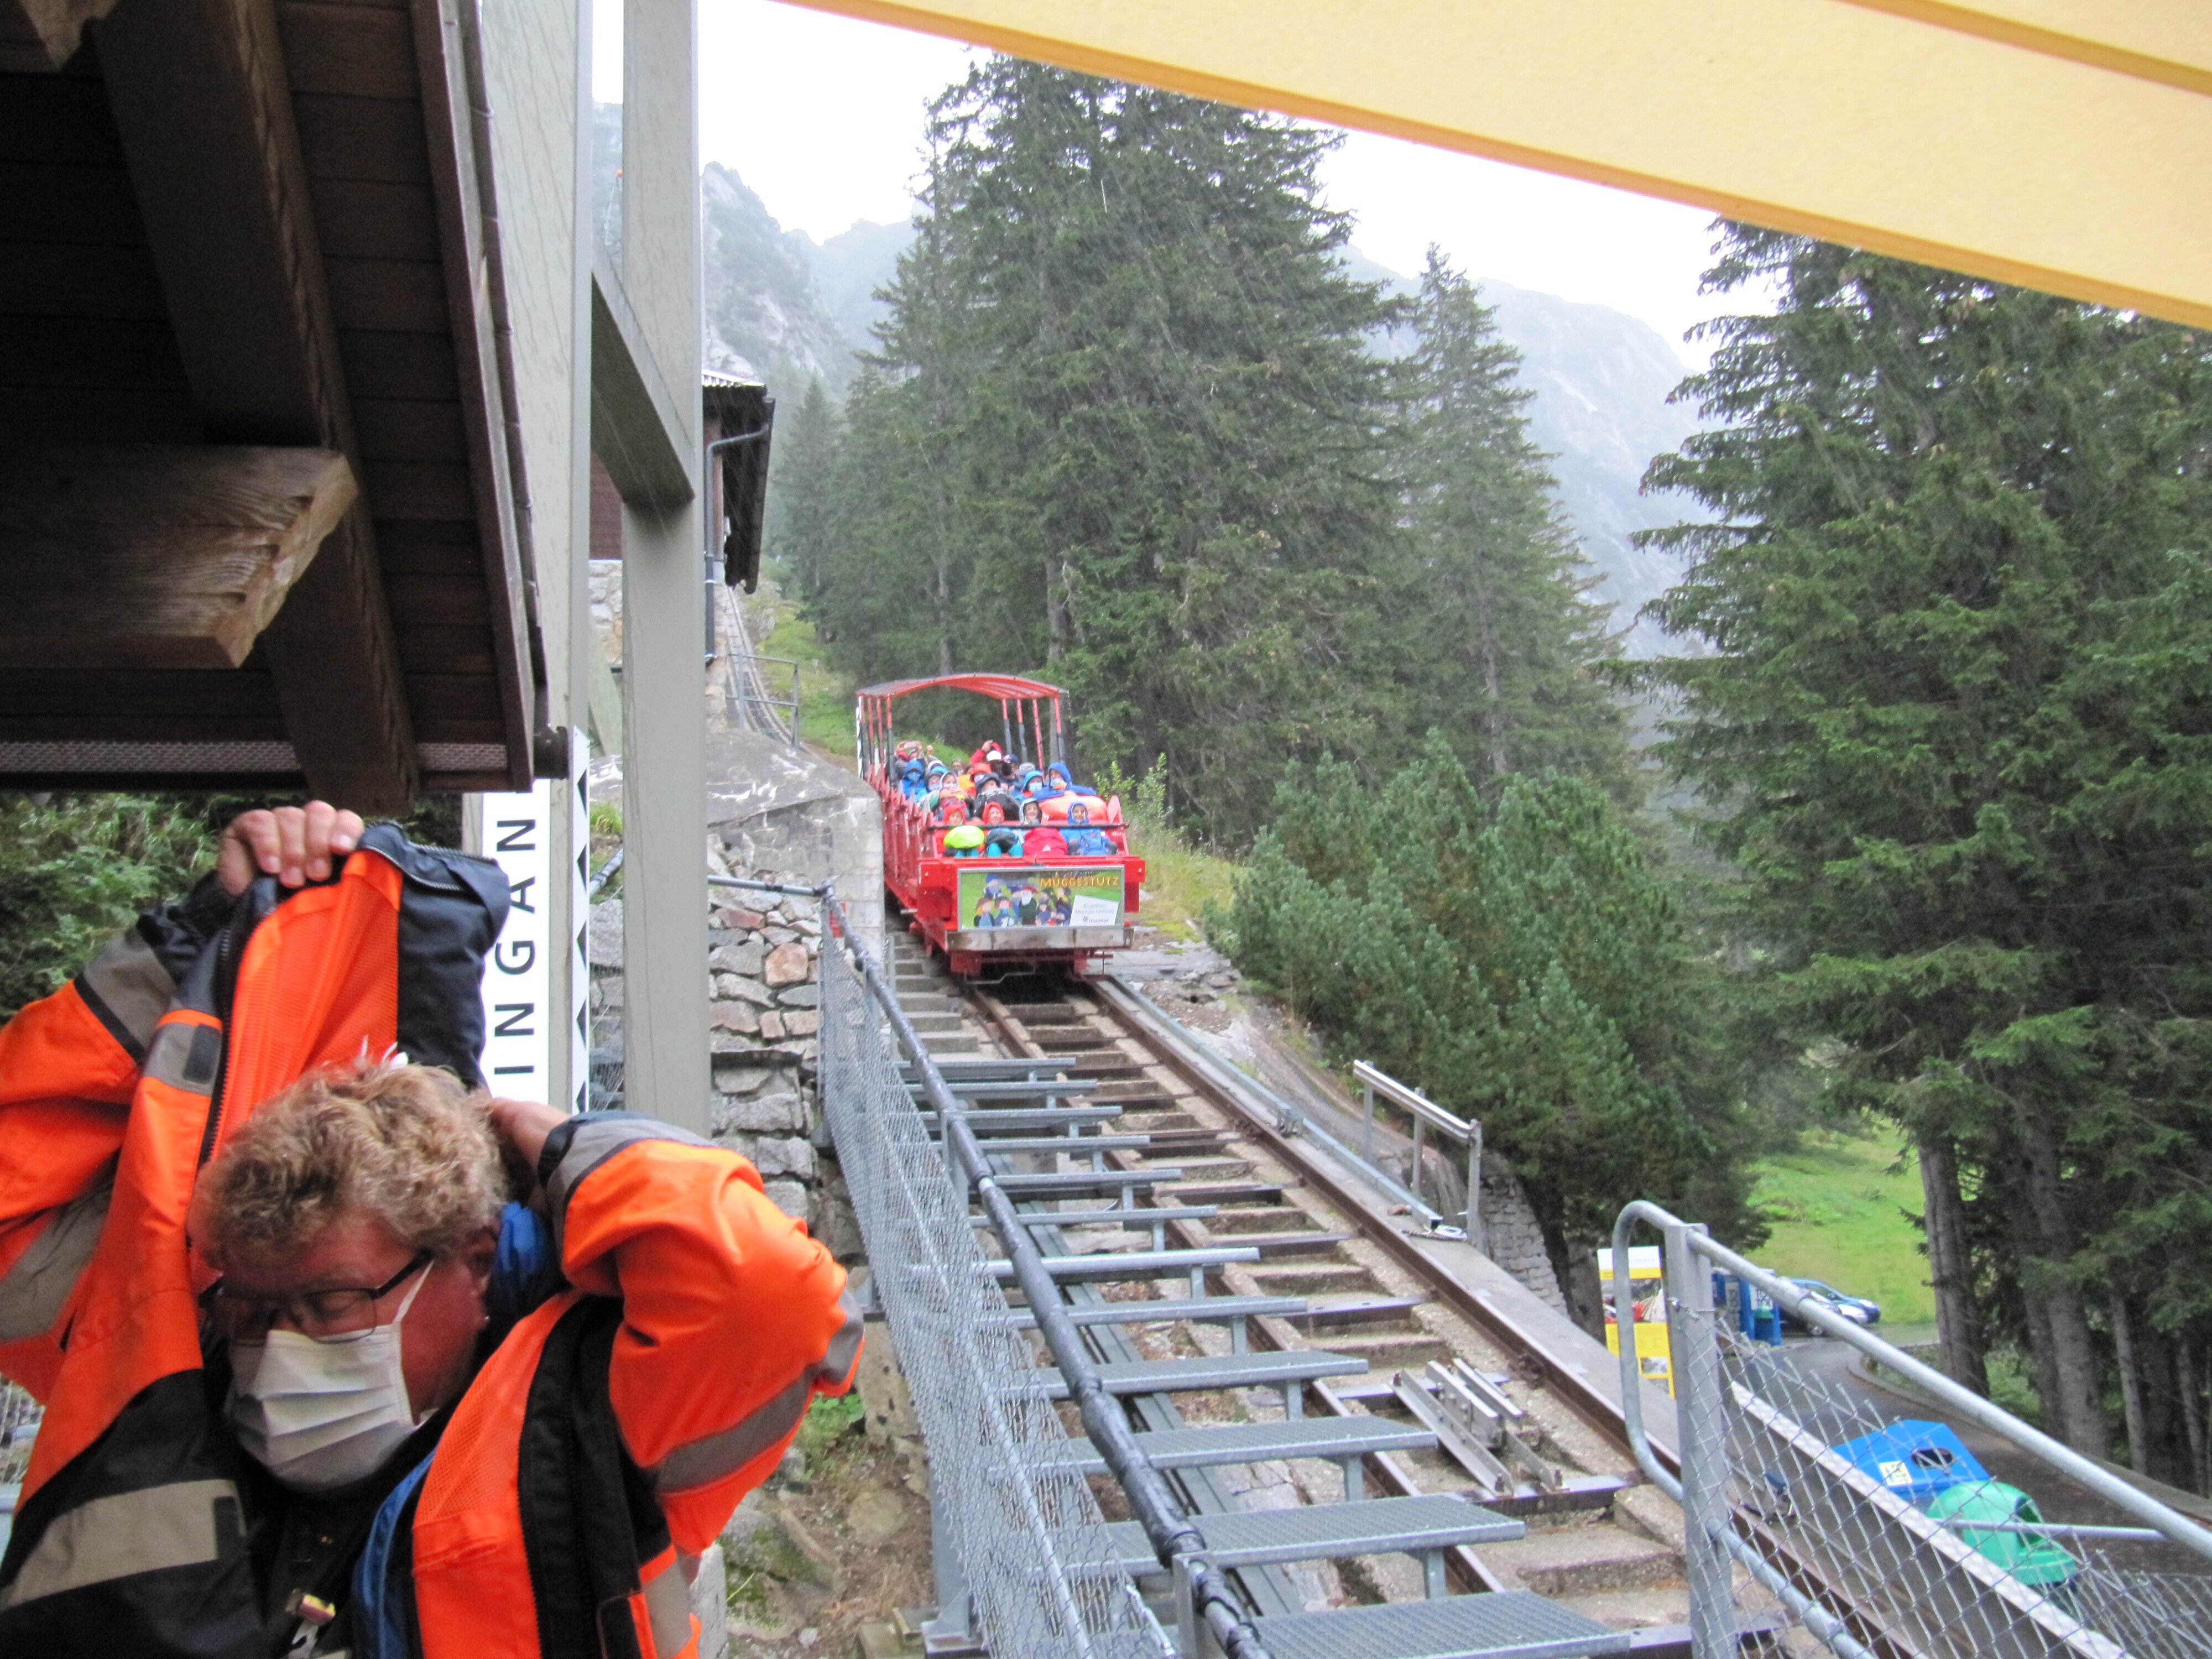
992 906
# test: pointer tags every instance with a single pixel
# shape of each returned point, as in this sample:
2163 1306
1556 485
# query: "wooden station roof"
249 376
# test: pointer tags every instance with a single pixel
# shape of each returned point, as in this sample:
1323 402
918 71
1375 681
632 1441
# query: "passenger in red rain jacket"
1043 842
313 1382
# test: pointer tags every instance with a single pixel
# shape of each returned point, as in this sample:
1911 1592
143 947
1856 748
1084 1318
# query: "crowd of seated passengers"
1000 806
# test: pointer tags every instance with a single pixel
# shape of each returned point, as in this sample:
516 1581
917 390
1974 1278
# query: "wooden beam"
39 36
461 183
140 557
638 428
205 109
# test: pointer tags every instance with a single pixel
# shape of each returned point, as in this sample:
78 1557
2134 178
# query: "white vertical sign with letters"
578 1021
520 1019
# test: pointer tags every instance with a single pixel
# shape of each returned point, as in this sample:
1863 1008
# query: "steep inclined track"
1327 1369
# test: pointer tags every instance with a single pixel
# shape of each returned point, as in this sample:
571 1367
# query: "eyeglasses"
326 1315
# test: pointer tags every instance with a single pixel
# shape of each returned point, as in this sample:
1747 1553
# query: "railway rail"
1345 1423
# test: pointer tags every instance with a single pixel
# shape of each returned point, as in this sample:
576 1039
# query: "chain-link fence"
1029 1538
1879 1536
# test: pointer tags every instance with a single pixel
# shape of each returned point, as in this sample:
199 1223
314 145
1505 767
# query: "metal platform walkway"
1424 1527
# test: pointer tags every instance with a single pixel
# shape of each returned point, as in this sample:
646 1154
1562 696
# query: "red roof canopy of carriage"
1003 686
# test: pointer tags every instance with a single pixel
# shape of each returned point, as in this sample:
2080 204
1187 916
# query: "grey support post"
663 773
1475 1186
1692 1341
953 1625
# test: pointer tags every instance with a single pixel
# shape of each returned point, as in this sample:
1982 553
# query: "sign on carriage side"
1027 897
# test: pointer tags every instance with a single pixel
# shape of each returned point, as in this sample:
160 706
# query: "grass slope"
1180 881
1840 1205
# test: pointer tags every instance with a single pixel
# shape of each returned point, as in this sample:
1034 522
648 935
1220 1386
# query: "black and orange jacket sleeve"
69 1065
732 1318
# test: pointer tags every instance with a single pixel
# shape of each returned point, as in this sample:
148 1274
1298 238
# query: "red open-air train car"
984 913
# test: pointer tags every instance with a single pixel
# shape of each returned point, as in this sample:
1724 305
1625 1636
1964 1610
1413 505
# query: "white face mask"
322 1415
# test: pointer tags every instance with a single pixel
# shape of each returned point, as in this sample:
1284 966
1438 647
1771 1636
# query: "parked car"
1855 1308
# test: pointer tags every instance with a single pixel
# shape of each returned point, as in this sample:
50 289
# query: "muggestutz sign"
1023 895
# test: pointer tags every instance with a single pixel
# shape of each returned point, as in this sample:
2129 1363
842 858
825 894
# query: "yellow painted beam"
2167 41
2061 144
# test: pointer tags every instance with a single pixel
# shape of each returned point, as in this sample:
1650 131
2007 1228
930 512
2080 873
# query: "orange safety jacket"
134 1529
730 1320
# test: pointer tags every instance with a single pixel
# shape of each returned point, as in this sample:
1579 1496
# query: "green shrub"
1521 960
74 869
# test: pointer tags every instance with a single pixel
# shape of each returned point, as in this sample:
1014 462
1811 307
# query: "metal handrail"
1380 1081
2176 1527
1707 1527
1174 1538
1467 1131
754 690
1690 1257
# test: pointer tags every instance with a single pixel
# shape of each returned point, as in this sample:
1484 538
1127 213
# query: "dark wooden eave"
743 410
260 222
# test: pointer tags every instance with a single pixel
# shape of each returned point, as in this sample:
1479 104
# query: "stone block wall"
764 966
791 818
763 960
1510 1236
771 813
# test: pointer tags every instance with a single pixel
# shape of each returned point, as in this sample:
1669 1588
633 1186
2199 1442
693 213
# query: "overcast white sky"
823 116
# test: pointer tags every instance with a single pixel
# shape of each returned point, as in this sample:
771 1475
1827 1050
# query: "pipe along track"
1347 1364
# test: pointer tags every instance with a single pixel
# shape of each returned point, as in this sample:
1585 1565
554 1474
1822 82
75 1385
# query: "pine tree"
1124 427
1519 646
801 499
1955 729
899 590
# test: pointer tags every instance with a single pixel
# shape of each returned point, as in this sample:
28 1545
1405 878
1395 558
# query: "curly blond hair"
408 1144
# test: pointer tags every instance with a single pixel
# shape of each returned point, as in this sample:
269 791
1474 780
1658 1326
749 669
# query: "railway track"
1327 1347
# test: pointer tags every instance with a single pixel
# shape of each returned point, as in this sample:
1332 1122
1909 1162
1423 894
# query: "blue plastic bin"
1751 1308
1914 1460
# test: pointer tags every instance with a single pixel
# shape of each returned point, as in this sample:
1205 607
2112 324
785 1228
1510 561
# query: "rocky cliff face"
1602 380
850 267
765 315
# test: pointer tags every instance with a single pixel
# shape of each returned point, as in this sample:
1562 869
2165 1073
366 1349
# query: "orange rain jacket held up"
657 1386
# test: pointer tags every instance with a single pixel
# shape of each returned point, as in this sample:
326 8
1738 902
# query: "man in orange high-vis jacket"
314 1384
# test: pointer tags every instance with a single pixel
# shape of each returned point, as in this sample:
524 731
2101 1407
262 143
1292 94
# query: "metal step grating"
1321 1531
1503 1624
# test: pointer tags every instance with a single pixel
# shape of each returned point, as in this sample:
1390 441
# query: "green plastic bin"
2032 1558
